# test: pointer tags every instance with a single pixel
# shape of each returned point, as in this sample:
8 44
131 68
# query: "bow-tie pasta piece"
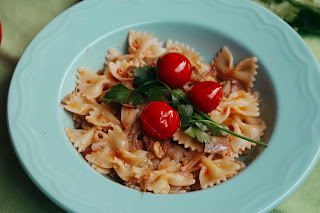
90 84
122 71
115 55
144 45
247 126
129 116
244 72
102 171
224 61
78 104
117 148
216 171
191 161
239 102
187 141
102 116
80 138
161 180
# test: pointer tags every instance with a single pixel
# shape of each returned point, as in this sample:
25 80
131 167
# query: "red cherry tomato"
174 69
206 95
160 120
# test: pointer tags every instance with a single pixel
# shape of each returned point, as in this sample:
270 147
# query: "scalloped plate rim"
47 192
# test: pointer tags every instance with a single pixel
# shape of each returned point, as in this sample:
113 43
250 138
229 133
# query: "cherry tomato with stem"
174 69
160 120
206 95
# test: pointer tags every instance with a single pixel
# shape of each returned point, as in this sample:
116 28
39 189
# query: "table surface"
20 23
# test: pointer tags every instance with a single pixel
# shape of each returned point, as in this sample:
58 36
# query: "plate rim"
50 196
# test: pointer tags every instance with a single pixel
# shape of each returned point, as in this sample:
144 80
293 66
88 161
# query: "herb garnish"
148 87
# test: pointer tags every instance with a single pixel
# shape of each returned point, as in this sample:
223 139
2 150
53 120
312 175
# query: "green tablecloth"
21 21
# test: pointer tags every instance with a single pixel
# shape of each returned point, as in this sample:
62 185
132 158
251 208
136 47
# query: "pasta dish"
115 113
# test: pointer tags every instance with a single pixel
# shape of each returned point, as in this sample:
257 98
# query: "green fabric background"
21 21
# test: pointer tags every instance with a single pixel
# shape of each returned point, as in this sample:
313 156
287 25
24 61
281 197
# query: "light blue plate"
288 82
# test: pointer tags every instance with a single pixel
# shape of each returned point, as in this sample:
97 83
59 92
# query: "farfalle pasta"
111 138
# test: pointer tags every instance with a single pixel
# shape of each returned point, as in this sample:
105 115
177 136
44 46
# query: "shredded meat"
80 122
150 62
187 87
196 72
236 85
113 173
219 146
161 149
176 152
192 164
87 151
211 75
144 182
229 83
77 121
157 149
196 186
129 72
100 72
132 135
231 86
148 142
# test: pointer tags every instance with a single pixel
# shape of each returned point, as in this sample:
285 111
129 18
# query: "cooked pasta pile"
111 138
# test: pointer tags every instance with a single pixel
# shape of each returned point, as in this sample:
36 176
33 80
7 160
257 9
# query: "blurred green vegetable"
302 15
307 4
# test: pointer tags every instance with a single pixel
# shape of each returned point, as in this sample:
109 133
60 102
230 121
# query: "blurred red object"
0 33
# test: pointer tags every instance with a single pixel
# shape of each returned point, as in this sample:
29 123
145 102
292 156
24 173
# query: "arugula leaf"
197 116
144 74
174 99
215 131
119 93
136 98
223 133
123 95
185 112
202 126
179 92
196 132
156 93
145 79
